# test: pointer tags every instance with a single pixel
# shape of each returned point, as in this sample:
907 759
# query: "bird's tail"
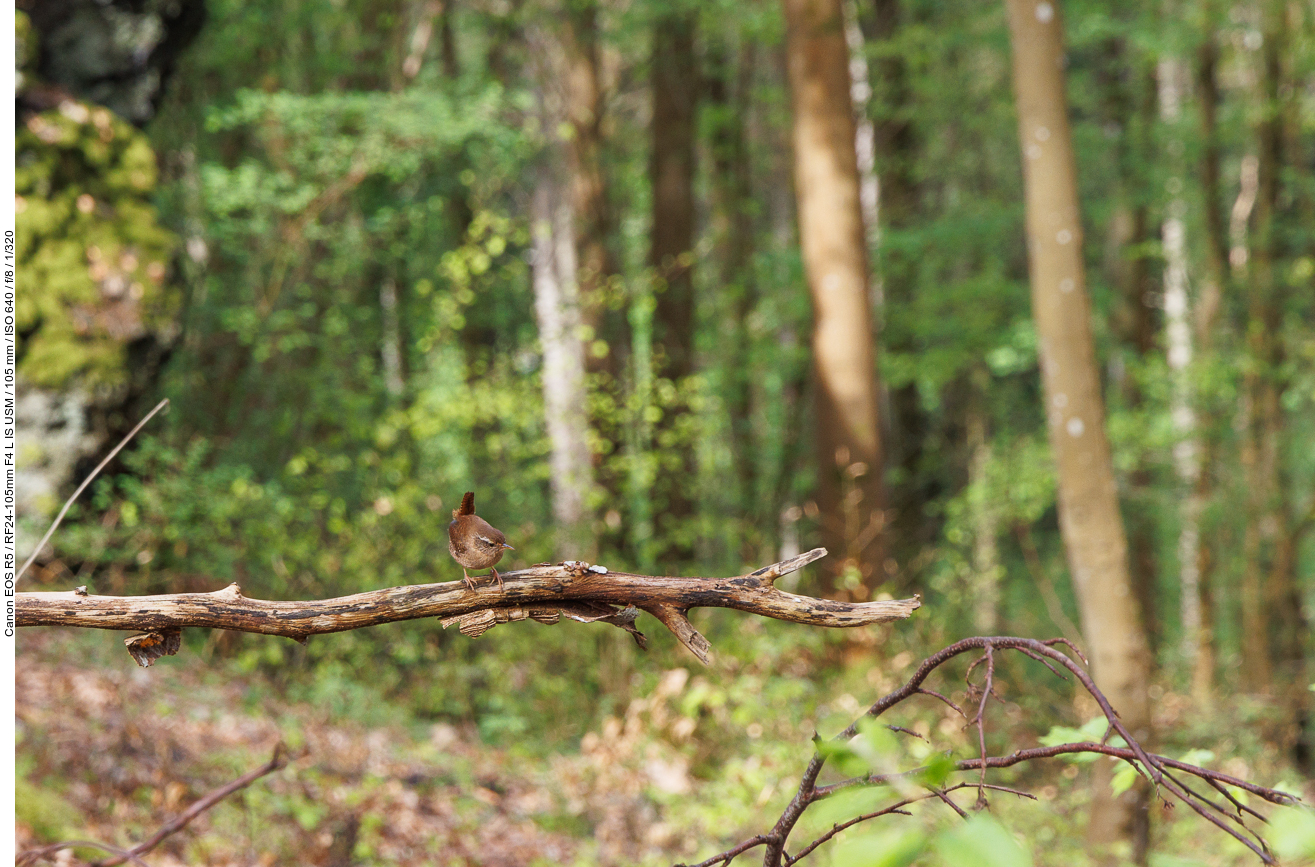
467 505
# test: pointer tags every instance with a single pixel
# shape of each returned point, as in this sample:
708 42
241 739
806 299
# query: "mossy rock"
93 256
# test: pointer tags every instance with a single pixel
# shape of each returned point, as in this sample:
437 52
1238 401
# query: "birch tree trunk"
1178 350
850 499
1090 523
557 310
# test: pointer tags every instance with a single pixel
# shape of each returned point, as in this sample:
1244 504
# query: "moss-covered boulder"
94 258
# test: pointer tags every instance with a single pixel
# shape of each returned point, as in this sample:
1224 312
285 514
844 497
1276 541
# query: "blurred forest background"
380 252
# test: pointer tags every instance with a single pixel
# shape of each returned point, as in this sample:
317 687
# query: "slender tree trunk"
605 330
1275 660
391 350
865 147
1262 386
556 307
895 153
584 104
675 86
730 76
1204 319
1178 334
1090 523
832 237
986 571
1128 92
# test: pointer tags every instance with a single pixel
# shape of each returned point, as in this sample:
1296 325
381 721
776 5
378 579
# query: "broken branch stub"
544 592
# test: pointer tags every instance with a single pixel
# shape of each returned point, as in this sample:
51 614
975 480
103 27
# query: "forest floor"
108 752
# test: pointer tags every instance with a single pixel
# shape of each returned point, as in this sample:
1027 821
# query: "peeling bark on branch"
544 593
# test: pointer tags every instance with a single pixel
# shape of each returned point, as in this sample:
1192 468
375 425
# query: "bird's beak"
505 545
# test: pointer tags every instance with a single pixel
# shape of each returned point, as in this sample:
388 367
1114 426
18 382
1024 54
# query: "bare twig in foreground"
173 826
87 481
1165 772
544 593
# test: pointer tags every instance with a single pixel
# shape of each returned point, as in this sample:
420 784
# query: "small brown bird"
473 541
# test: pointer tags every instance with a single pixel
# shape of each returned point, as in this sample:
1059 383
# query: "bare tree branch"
1159 768
544 592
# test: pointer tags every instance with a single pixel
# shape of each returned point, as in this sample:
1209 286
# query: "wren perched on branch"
473 541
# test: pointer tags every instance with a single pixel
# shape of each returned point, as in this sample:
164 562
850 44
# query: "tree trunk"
1091 526
1200 646
1274 655
675 85
730 77
556 307
895 153
986 571
604 329
1178 349
390 351
584 104
1128 92
832 237
1262 387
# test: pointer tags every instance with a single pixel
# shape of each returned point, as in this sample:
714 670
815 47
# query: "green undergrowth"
571 731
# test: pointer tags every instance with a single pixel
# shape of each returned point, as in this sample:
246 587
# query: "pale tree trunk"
391 350
833 241
675 86
556 307
865 135
1092 529
986 571
1178 339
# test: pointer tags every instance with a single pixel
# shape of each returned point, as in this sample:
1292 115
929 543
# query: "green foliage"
982 840
52 818
1293 835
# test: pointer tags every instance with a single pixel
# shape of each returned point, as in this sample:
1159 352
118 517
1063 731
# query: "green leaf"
1092 731
936 770
1197 757
1123 778
982 842
894 847
1292 832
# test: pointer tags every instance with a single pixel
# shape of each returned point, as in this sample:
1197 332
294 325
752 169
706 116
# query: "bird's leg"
497 576
470 582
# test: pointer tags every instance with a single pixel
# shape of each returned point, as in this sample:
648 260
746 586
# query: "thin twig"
87 481
179 822
32 856
1155 767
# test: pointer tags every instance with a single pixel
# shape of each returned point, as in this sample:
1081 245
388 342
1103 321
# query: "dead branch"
1229 817
544 593
173 826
